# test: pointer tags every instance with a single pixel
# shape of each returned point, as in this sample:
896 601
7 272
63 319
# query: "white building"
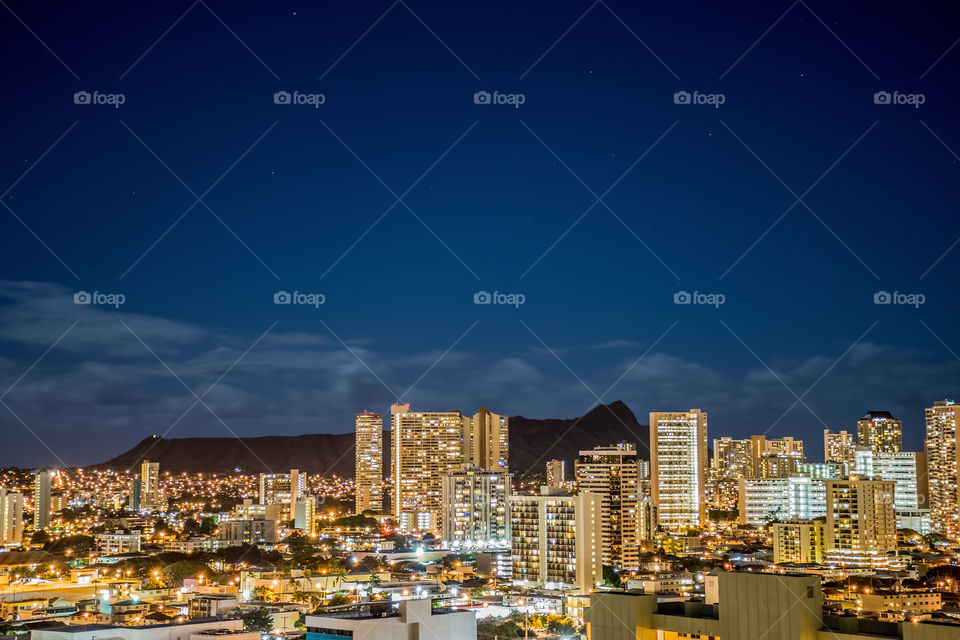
172 631
111 544
764 500
475 507
382 620
678 467
11 517
556 540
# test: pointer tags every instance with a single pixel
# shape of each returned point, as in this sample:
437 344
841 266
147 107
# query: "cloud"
101 391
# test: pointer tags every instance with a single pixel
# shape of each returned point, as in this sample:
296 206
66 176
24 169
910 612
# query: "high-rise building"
369 470
41 499
880 431
486 440
150 497
11 518
556 473
906 469
839 447
283 489
761 446
799 541
475 506
943 458
731 461
136 495
612 473
678 467
766 500
426 447
556 540
305 514
861 521
779 465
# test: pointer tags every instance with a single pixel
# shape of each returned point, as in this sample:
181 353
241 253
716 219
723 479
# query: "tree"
338 599
258 619
264 594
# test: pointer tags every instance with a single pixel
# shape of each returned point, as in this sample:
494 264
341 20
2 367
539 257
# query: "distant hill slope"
532 443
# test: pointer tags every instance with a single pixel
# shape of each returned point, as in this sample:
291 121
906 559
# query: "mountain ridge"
533 441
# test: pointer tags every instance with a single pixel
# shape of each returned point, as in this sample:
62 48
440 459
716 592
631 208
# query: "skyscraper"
786 447
943 458
906 469
475 506
839 447
861 522
150 498
556 540
678 467
556 473
731 461
11 517
486 440
426 447
612 473
283 489
369 470
880 431
41 499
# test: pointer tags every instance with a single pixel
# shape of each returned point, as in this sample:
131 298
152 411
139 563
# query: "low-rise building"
111 544
208 605
407 620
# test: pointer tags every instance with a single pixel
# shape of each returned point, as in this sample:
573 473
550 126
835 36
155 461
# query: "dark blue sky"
698 190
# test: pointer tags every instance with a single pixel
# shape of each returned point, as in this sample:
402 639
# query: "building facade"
426 447
861 521
880 431
476 507
369 456
11 518
943 457
678 467
613 474
556 540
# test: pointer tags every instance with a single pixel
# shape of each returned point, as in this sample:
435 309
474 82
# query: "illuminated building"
305 515
943 458
41 499
761 446
880 431
765 500
486 440
426 447
150 497
860 519
11 517
556 540
556 472
612 473
798 541
839 447
283 489
678 467
731 461
369 455
475 506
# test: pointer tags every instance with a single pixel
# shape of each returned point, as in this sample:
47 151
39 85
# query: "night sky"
598 199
